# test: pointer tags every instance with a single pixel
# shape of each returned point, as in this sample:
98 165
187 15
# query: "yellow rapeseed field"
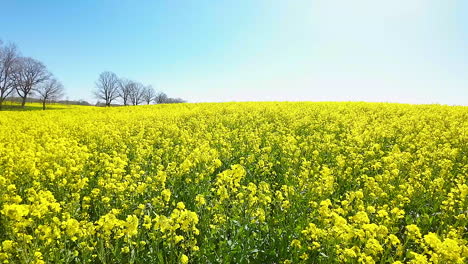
235 183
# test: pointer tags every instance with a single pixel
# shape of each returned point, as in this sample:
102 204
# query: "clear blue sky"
411 51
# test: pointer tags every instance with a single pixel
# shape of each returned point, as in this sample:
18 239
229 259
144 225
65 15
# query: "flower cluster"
235 183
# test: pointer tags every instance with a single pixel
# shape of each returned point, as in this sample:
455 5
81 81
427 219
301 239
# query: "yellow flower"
131 225
200 199
38 255
166 195
147 221
413 231
393 240
361 218
418 258
177 239
296 243
125 249
304 256
15 211
373 247
8 245
184 259
180 205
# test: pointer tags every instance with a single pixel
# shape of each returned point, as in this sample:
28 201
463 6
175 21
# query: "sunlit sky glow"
409 51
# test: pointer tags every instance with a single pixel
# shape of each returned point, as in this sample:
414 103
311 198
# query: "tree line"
110 88
26 77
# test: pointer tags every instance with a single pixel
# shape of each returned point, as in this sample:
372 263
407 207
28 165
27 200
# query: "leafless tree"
124 90
107 87
148 94
160 98
8 57
27 74
136 93
49 90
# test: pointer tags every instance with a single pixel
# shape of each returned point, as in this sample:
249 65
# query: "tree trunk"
23 102
1 104
43 105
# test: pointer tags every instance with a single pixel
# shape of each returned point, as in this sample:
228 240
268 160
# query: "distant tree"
80 102
124 90
160 98
136 93
74 102
107 87
49 90
148 94
174 101
27 74
8 57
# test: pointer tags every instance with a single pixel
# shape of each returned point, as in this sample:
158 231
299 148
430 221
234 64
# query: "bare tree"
28 73
8 57
124 90
148 94
49 90
160 98
107 87
136 93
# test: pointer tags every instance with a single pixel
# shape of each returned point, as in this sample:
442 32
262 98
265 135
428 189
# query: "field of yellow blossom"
235 183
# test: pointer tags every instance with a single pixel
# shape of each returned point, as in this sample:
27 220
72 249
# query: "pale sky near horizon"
408 51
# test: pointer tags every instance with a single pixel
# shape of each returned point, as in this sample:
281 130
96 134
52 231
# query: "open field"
235 183
16 106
